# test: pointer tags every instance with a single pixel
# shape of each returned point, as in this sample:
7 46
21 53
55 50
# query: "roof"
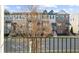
45 12
51 12
62 12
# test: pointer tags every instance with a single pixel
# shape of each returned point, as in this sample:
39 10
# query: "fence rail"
41 44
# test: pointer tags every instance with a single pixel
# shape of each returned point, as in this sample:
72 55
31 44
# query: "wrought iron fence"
41 44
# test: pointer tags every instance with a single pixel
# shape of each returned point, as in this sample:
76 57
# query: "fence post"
30 46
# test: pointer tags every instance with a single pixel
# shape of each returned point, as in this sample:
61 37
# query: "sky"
40 8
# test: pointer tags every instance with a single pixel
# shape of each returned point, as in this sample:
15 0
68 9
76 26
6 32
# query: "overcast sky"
56 8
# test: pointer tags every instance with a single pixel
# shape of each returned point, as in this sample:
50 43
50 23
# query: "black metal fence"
41 45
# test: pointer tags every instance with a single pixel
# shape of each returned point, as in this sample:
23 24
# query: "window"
16 17
52 16
61 17
8 17
44 16
11 18
19 16
57 16
9 25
